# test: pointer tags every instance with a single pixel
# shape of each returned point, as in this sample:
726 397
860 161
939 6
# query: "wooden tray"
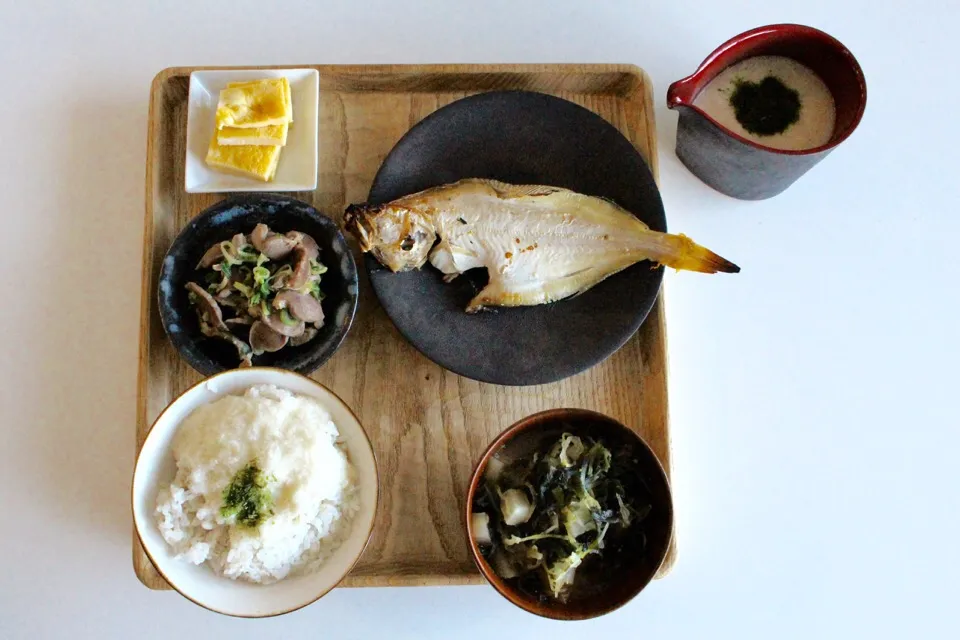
428 426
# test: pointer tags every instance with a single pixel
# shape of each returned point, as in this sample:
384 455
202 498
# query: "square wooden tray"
428 426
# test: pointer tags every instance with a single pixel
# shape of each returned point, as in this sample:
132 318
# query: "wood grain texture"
428 426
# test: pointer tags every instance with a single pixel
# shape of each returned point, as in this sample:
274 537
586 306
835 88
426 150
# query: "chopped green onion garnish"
244 289
228 250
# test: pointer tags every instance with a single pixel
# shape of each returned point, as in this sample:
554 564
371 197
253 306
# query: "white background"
815 428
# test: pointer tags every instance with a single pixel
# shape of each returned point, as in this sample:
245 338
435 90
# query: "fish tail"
683 254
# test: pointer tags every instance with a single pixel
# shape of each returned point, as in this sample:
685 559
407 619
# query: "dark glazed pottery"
742 168
240 214
638 558
521 138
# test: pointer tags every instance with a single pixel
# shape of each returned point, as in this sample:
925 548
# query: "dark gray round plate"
521 138
240 214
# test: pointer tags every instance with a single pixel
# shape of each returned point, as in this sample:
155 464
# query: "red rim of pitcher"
676 97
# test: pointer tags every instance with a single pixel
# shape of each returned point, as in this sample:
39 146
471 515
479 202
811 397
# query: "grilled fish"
539 244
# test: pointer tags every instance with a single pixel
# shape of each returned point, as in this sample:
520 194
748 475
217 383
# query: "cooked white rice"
295 444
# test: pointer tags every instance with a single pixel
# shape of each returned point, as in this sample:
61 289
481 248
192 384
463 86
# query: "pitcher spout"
682 92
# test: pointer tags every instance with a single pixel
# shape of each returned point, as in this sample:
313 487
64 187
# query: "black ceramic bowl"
240 214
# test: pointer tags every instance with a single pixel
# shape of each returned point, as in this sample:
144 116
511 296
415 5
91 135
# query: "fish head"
399 237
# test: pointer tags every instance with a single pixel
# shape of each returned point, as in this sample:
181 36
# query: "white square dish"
297 170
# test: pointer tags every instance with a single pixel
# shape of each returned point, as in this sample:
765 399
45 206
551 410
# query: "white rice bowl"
321 520
293 442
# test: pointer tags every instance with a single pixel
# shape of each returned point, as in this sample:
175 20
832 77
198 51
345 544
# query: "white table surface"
814 420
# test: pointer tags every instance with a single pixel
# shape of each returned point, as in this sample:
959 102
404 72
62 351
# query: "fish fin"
581 281
505 190
494 295
616 205
452 260
683 254
442 258
502 292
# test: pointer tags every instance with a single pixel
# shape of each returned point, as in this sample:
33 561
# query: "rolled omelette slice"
254 104
287 92
252 161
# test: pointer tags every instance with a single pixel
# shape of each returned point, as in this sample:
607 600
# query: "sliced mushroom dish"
264 286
